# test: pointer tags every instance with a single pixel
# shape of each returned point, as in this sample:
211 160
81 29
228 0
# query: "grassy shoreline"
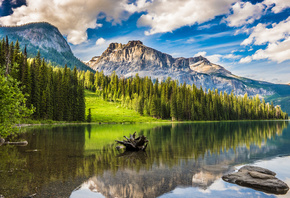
108 112
105 112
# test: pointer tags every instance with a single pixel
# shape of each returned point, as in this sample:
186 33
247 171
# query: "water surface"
182 160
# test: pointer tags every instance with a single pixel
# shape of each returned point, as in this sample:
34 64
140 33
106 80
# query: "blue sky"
249 38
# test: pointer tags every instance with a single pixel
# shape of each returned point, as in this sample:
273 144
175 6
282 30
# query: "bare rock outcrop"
134 57
257 178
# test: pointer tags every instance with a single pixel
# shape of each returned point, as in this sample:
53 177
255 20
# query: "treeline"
170 100
54 93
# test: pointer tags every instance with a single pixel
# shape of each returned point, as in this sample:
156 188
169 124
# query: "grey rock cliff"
134 57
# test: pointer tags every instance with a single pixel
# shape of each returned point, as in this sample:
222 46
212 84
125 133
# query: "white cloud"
200 54
277 39
215 58
279 52
167 15
207 26
247 59
231 56
191 40
212 58
100 41
279 5
262 35
1 1
244 13
72 17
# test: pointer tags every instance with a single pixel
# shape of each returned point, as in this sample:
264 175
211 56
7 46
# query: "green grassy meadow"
109 112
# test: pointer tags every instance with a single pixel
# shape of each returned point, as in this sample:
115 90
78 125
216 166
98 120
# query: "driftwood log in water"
23 143
133 143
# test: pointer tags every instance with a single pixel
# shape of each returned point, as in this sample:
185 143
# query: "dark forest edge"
35 90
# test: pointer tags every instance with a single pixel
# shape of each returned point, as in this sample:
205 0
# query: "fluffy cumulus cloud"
72 17
244 13
167 15
279 51
278 5
276 38
100 41
262 35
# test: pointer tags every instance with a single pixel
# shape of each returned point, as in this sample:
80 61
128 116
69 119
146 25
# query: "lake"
181 160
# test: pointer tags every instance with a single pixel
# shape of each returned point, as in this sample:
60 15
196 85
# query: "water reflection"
134 157
82 161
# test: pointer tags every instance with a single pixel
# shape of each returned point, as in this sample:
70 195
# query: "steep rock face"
45 38
134 57
43 35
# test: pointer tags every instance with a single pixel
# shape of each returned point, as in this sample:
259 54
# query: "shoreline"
163 121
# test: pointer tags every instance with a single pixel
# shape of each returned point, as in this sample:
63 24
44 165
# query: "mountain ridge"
158 58
46 39
134 57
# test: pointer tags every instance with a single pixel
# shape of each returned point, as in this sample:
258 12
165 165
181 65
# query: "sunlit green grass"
104 111
97 136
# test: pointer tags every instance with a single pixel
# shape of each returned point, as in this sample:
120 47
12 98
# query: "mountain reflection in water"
81 160
183 155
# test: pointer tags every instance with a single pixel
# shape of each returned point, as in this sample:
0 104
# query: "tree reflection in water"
192 154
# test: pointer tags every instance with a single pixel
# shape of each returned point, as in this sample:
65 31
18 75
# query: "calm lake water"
181 160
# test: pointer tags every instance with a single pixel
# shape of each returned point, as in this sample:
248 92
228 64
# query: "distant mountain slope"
134 57
45 38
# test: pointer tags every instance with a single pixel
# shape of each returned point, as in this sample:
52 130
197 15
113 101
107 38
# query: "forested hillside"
170 100
32 88
52 93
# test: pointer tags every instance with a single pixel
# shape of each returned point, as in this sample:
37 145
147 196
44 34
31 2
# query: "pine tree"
89 117
82 105
173 106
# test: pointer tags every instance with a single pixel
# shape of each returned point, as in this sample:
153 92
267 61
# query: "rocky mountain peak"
135 57
114 46
134 43
200 58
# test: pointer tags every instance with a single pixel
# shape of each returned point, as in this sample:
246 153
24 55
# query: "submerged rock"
257 178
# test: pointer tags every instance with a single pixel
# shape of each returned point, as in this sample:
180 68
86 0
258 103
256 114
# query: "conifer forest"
170 100
55 93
